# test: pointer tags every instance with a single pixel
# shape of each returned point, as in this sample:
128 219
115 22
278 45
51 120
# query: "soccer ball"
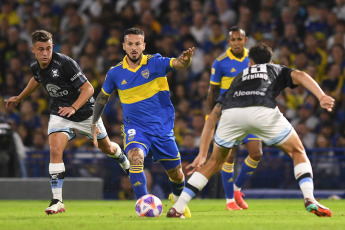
149 206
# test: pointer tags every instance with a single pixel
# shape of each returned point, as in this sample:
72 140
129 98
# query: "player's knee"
55 150
135 156
256 154
231 158
176 174
215 164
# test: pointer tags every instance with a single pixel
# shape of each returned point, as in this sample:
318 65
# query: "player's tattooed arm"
100 103
218 110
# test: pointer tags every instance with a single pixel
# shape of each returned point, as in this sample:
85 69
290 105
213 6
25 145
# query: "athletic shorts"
59 124
163 148
267 124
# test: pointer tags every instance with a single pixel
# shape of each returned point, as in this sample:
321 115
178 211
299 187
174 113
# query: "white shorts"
59 124
268 124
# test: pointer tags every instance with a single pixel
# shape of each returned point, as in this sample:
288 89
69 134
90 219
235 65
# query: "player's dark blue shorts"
163 148
250 137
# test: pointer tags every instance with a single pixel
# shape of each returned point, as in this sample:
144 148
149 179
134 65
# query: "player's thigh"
231 129
294 148
84 128
269 125
164 150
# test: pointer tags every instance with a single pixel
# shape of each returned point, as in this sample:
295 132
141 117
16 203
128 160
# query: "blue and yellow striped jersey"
226 67
144 93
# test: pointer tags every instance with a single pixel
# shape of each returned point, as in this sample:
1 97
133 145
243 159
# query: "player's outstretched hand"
69 111
196 164
187 54
95 131
327 102
12 102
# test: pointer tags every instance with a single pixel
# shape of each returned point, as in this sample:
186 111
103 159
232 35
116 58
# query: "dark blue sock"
248 167
176 186
228 180
138 180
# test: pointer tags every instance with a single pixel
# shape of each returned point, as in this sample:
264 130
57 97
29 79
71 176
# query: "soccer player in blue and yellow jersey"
148 114
224 70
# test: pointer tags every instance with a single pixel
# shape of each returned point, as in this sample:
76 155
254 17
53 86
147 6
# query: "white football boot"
55 206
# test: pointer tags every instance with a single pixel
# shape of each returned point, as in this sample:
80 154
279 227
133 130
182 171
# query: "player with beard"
71 108
148 114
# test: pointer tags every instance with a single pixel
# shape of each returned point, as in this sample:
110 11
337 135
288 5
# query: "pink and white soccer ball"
149 206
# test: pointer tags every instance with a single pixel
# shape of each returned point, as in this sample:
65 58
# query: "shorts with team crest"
59 124
163 148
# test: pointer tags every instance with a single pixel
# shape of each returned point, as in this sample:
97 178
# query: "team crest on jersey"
55 72
145 73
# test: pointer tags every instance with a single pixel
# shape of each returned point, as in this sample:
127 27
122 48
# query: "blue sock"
138 180
176 186
228 180
248 167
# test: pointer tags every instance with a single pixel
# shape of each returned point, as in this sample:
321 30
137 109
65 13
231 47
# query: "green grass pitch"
206 214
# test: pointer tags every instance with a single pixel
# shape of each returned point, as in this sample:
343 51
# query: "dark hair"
41 36
237 28
260 53
135 31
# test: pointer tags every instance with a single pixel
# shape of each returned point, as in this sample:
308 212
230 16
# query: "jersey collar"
142 62
232 57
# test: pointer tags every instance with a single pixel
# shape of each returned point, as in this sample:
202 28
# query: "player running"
249 106
71 108
148 114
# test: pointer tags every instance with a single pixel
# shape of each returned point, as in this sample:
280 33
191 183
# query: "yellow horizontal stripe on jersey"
142 92
226 82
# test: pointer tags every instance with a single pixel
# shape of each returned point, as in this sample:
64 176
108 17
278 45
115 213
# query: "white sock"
230 200
175 198
236 188
56 168
198 181
120 158
306 184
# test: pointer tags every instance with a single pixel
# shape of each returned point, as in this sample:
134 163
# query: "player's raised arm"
300 77
206 137
29 89
184 60
100 103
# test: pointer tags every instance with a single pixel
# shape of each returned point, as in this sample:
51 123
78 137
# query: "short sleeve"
73 73
108 85
216 75
163 64
286 74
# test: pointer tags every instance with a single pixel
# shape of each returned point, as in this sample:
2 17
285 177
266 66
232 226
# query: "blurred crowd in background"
304 34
